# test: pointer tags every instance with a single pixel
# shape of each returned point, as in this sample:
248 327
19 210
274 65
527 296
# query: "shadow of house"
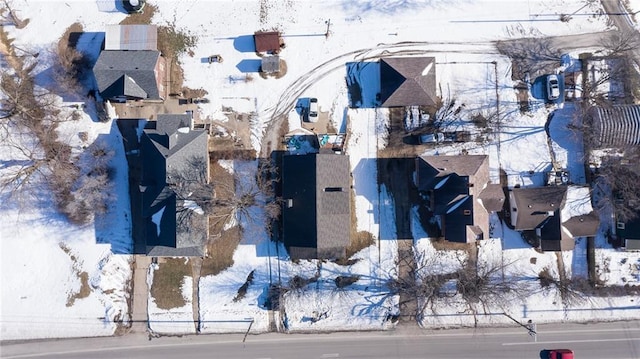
316 215
458 193
556 214
173 155
615 126
130 67
408 81
363 84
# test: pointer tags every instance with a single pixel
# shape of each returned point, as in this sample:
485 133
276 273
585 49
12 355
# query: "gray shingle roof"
615 126
408 81
127 73
316 190
165 150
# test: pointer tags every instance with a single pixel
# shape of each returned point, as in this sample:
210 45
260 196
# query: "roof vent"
289 203
550 213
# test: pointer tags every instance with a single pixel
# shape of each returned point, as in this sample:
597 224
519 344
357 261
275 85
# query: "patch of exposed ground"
85 288
166 288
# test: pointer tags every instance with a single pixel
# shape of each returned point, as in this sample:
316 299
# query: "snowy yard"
62 280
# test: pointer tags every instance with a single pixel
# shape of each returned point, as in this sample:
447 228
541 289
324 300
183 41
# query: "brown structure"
267 41
408 81
548 212
459 193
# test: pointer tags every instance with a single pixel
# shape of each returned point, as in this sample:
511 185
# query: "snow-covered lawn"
44 258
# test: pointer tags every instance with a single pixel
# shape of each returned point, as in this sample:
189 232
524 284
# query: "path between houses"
139 312
196 266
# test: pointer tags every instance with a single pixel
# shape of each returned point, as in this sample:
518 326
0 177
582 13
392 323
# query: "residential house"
175 162
557 215
628 234
459 194
408 81
316 215
130 67
614 126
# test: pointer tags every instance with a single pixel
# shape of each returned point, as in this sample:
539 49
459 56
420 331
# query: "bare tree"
619 182
245 193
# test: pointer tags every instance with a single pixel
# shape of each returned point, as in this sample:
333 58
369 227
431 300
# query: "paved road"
606 340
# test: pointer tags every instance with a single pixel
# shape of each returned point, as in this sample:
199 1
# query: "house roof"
131 37
534 205
438 167
446 181
270 64
317 204
615 126
492 197
408 81
267 41
584 225
127 73
168 146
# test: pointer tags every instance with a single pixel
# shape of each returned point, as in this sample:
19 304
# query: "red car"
560 354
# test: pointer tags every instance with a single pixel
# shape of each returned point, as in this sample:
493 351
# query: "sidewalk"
139 314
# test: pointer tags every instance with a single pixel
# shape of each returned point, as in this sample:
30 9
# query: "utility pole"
328 22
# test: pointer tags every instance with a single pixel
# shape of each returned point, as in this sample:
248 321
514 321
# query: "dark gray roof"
316 216
167 149
408 81
127 73
615 126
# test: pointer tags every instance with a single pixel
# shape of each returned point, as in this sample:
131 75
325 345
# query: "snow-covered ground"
457 33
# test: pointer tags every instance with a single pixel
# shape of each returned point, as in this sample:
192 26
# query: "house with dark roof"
458 193
614 126
556 214
316 214
408 81
130 67
175 160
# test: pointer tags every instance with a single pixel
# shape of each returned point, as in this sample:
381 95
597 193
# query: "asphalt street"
602 340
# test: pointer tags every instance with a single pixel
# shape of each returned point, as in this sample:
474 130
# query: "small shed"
267 41
131 37
270 64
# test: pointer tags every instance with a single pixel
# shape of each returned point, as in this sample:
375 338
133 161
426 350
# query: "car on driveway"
560 354
313 110
553 87
428 138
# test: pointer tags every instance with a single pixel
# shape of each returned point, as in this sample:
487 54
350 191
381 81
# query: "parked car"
560 354
133 6
431 138
313 109
553 87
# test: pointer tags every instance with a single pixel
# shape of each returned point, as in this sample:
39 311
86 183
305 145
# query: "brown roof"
464 165
492 198
408 81
533 205
267 41
583 226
